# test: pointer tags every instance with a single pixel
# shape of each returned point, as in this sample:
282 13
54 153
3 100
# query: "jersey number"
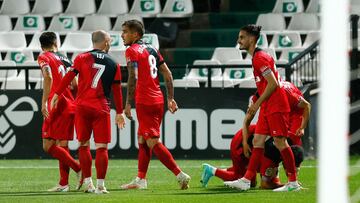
61 70
100 70
153 68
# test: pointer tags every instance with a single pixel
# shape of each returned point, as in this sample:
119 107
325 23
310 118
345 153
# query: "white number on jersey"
153 68
100 70
61 70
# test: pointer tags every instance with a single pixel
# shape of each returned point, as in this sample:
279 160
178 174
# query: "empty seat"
122 18
19 57
290 54
288 7
81 7
15 83
8 73
201 74
47 7
5 24
77 42
15 7
262 41
11 41
177 9
355 7
242 76
271 22
146 8
116 41
304 22
113 7
35 43
118 56
286 40
96 22
313 6
224 54
64 24
30 23
152 39
186 83
311 37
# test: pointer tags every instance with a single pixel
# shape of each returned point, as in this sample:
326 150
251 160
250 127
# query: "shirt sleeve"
131 55
262 65
77 64
161 59
117 91
43 61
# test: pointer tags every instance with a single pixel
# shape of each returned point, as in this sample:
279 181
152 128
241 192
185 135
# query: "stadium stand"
47 8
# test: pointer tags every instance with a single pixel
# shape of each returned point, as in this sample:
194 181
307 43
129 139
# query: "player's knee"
100 145
152 142
280 143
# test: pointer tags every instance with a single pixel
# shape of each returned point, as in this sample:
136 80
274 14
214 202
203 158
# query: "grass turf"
28 180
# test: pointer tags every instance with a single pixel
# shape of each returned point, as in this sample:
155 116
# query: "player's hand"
44 111
246 150
253 109
299 132
120 120
127 112
54 101
172 105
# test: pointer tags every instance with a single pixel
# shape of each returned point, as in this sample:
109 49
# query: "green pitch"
28 180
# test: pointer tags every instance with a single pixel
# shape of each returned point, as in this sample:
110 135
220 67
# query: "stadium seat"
77 42
35 43
152 39
290 54
8 73
15 7
271 22
122 18
146 8
177 9
286 40
304 22
15 83
47 8
261 43
30 24
288 7
96 22
118 56
186 83
201 74
116 41
239 76
12 41
113 8
19 57
224 54
64 24
81 7
313 6
311 37
355 7
5 24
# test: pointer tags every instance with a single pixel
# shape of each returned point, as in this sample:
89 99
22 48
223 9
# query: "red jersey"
148 60
98 74
263 64
294 97
58 65
236 141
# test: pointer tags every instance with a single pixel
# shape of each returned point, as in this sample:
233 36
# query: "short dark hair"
298 152
135 26
47 39
252 29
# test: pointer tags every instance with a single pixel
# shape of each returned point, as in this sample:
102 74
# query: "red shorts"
59 125
149 118
275 124
89 120
295 122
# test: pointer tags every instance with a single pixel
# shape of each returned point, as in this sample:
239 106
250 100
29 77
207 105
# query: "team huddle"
78 94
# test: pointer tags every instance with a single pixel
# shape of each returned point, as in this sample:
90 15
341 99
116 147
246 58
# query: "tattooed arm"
164 70
130 94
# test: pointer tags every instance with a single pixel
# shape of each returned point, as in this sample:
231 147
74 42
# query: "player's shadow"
38 193
207 191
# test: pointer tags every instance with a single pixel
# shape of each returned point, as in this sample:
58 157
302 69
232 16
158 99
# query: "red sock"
166 158
289 163
101 162
64 157
85 161
144 157
226 175
64 170
254 163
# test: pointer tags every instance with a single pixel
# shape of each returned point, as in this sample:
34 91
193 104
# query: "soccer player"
273 117
98 75
58 125
143 63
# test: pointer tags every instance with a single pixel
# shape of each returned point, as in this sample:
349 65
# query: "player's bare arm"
305 117
130 95
271 86
245 134
46 72
164 70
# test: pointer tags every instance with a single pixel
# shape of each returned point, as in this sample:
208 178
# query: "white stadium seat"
304 22
224 54
311 37
118 56
271 22
96 22
116 41
177 9
122 18
113 7
286 40
64 24
288 7
77 42
146 8
47 8
19 57
151 39
313 6
12 41
30 24
35 43
5 24
201 74
15 7
80 7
